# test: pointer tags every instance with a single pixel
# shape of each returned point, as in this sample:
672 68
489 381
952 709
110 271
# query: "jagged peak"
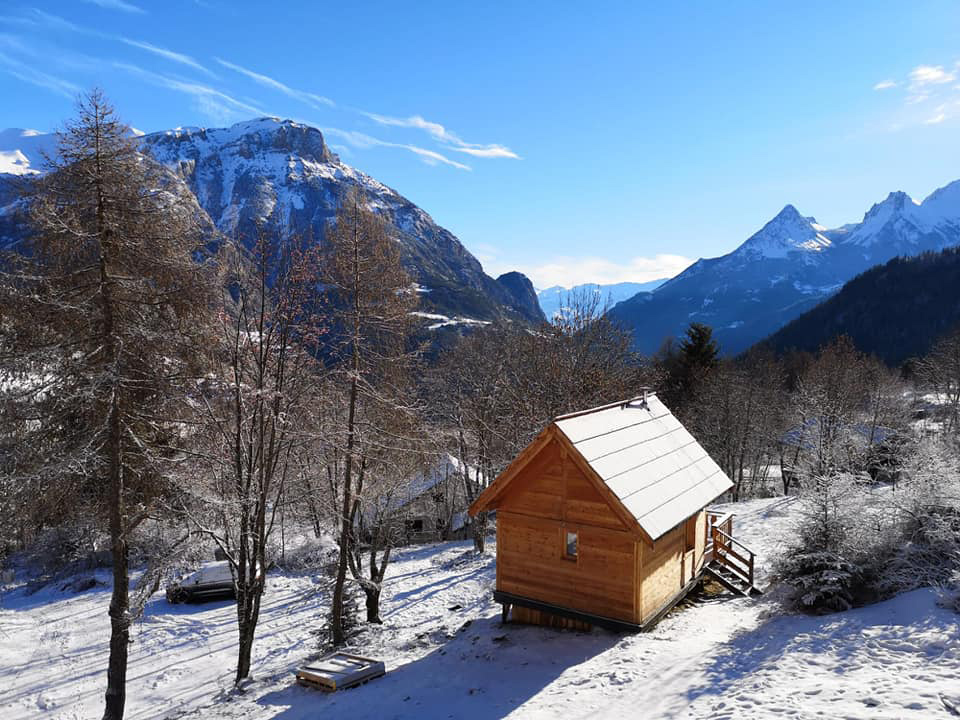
788 231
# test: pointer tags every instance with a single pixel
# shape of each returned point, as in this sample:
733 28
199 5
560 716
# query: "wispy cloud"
364 141
440 133
120 5
168 54
212 102
925 75
923 87
318 102
568 271
31 75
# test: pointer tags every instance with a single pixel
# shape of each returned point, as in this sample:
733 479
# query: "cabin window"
570 548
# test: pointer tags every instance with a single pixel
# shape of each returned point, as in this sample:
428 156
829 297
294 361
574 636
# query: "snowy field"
448 656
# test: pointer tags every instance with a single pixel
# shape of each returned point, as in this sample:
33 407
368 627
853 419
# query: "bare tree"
370 300
500 386
256 406
737 414
940 370
98 317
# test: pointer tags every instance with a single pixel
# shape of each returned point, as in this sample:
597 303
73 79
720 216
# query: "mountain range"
553 299
282 175
786 268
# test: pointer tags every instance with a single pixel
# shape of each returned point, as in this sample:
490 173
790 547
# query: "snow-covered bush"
310 554
927 506
56 548
826 567
859 541
823 581
949 593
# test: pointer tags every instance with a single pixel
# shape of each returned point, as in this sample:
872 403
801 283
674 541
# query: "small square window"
571 548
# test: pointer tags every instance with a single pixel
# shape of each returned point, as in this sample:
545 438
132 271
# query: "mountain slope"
786 268
894 311
281 174
552 299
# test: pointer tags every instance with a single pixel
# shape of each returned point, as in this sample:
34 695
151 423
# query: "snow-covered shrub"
927 506
310 554
824 567
949 593
56 548
823 581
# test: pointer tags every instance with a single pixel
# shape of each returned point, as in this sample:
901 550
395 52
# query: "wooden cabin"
602 520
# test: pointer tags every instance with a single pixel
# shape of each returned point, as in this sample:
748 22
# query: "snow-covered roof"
648 459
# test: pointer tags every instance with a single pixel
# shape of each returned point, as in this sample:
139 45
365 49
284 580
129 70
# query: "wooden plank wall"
550 497
531 563
660 577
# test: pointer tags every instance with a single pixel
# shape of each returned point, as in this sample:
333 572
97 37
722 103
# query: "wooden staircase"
729 561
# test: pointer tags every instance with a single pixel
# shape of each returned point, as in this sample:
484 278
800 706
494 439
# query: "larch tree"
369 300
99 314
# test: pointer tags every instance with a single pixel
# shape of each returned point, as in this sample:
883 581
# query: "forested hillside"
895 311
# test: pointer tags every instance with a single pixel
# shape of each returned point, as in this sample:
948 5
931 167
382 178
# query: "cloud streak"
317 102
568 271
168 54
925 75
212 102
120 5
364 141
441 134
31 75
885 85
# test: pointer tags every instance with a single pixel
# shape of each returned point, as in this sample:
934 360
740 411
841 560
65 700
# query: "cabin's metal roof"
647 458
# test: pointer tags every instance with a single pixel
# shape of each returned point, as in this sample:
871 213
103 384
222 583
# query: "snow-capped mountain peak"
21 151
788 232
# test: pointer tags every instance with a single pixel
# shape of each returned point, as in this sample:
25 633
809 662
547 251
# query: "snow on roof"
647 458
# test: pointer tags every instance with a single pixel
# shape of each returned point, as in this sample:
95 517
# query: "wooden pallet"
339 671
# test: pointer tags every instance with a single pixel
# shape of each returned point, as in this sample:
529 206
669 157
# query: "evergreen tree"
686 367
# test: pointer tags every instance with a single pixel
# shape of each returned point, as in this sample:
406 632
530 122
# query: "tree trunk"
480 532
120 599
116 694
373 604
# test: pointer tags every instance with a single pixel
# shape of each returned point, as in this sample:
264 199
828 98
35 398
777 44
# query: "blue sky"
577 142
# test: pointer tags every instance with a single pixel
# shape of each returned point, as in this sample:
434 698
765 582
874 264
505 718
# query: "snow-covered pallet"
339 670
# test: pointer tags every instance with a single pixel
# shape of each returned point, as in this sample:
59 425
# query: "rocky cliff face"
282 175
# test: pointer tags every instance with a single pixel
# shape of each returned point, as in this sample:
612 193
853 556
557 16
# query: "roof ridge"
610 406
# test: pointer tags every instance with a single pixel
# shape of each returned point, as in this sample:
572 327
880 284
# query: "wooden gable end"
554 486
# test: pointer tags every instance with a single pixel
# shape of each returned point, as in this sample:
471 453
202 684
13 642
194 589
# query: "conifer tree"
98 314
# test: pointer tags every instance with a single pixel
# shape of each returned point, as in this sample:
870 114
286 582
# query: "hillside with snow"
786 268
448 656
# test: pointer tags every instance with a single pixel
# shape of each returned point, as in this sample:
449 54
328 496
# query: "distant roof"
645 456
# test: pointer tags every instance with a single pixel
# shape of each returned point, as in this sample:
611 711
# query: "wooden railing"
716 519
733 554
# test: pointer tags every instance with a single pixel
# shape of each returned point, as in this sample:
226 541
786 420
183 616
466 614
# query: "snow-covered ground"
448 656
